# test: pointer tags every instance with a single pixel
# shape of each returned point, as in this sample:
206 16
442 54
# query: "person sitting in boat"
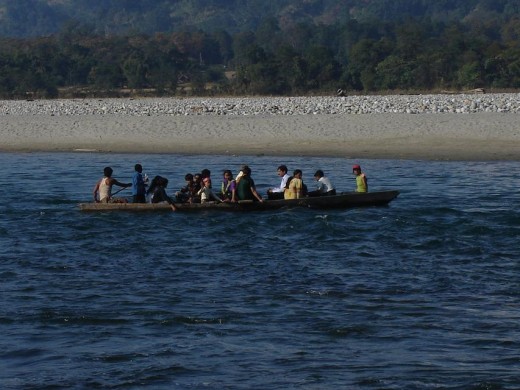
188 191
205 173
158 191
324 185
103 188
246 189
361 179
206 193
295 187
278 192
228 187
197 185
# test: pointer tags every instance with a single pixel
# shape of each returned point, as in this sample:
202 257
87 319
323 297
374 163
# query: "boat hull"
340 201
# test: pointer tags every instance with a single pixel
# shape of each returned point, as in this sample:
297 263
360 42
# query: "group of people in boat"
198 187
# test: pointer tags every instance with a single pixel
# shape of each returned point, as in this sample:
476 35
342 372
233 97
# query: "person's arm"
365 181
214 195
233 189
283 184
117 183
164 196
96 190
253 190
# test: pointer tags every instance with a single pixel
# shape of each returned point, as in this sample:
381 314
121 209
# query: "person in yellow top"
361 179
294 189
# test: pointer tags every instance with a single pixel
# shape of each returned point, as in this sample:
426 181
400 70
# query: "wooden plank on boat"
342 200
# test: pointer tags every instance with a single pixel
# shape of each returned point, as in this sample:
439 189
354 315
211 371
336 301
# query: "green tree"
324 70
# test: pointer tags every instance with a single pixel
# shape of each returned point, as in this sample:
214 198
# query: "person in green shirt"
361 179
246 189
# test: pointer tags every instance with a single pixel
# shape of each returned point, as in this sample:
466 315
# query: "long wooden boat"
340 201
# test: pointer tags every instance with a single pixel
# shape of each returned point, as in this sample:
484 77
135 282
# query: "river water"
421 294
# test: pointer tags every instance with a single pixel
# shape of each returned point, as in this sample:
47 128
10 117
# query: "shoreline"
477 136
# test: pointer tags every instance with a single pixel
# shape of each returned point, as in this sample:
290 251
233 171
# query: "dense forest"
287 47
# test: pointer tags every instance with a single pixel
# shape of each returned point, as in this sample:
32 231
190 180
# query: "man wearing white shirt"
277 192
324 186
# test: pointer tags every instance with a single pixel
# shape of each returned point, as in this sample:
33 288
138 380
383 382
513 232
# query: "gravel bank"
329 105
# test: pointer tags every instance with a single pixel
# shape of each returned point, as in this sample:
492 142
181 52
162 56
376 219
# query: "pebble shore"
254 106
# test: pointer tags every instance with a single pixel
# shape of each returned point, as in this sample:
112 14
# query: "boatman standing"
138 185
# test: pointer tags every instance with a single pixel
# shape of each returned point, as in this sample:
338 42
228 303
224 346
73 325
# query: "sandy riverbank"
433 136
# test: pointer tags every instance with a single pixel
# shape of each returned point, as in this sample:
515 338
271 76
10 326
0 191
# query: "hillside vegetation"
25 18
109 47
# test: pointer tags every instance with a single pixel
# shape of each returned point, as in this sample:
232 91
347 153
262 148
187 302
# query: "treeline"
412 55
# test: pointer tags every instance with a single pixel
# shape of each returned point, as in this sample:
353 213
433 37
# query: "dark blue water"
422 294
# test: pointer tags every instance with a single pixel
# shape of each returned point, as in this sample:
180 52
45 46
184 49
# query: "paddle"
118 191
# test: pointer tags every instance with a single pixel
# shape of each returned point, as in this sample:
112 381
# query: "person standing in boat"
361 179
246 189
324 185
103 188
278 192
138 185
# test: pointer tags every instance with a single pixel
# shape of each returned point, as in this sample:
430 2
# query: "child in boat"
103 188
197 185
361 179
186 193
228 187
206 193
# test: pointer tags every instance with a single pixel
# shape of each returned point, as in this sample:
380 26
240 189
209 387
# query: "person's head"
197 178
107 171
188 177
207 182
246 170
356 169
319 174
205 173
154 183
138 168
297 173
228 175
282 170
163 182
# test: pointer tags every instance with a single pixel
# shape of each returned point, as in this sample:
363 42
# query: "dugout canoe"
341 201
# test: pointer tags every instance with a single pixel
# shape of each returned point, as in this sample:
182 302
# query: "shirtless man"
103 189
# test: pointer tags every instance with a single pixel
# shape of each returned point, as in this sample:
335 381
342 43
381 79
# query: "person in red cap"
361 179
